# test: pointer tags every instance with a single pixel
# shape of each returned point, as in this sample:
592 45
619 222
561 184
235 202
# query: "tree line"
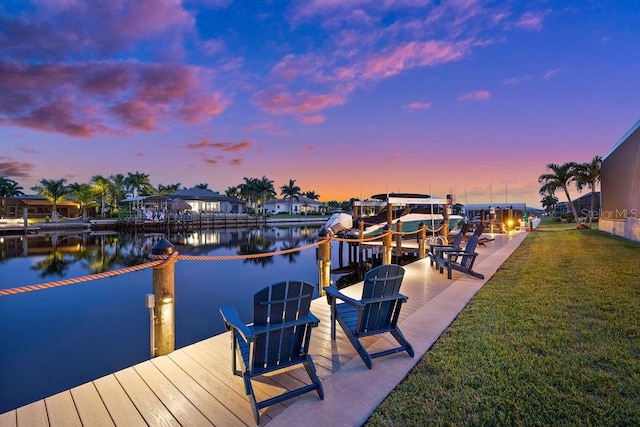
561 177
108 192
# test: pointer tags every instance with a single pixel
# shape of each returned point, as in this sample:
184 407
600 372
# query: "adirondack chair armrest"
333 292
308 319
232 320
450 254
387 298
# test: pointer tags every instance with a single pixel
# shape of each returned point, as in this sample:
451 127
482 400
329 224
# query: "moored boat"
412 209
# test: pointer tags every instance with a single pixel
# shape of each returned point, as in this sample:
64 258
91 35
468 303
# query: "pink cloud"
418 106
277 101
221 146
232 146
85 99
312 120
15 168
551 73
59 29
237 161
514 81
309 148
213 160
530 21
137 114
412 55
475 96
200 109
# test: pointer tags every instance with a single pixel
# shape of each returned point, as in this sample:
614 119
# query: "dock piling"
163 291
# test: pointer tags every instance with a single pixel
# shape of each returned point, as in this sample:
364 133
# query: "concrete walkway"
354 392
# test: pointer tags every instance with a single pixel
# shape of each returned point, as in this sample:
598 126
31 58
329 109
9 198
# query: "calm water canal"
54 339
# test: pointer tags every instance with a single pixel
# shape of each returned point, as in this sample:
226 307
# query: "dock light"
150 299
163 247
167 298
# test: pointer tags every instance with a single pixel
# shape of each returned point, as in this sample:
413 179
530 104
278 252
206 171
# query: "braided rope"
49 285
358 240
249 256
406 233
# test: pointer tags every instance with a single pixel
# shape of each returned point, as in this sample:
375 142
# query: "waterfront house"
206 201
620 187
37 207
299 205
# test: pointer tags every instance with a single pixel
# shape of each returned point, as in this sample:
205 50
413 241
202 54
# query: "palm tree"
84 195
53 190
202 186
588 174
164 190
311 195
232 191
264 190
118 189
102 186
560 177
249 191
138 182
548 202
290 191
9 187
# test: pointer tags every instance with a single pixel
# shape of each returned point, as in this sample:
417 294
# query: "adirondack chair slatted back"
457 240
380 311
478 231
467 261
281 303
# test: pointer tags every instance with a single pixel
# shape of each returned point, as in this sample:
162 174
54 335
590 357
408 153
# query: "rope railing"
96 276
249 256
158 261
359 240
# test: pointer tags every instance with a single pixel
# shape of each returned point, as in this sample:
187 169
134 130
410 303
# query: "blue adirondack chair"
461 260
376 313
435 250
278 338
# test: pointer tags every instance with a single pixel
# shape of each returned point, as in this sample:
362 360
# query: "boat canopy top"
401 199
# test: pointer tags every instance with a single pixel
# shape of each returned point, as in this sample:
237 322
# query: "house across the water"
37 207
299 205
204 200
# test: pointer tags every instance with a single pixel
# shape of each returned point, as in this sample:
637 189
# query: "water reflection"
93 253
102 326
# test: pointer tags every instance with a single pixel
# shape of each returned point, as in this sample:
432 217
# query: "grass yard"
551 339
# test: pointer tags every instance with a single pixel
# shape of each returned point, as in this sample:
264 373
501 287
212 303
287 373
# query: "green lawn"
551 339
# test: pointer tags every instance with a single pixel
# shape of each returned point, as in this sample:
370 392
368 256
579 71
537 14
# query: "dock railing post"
163 291
398 241
422 238
386 245
361 236
323 257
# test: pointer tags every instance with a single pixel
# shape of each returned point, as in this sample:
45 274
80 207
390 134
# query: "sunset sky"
349 98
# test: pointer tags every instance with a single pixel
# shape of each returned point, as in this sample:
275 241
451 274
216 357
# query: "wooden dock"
194 386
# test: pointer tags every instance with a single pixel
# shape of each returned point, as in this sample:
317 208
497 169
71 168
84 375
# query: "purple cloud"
58 71
15 168
92 98
475 96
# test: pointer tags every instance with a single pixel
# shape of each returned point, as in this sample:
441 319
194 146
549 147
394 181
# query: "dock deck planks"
194 385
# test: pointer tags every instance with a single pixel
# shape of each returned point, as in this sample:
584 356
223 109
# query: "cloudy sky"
348 97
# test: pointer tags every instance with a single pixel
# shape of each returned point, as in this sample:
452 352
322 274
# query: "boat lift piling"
398 241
